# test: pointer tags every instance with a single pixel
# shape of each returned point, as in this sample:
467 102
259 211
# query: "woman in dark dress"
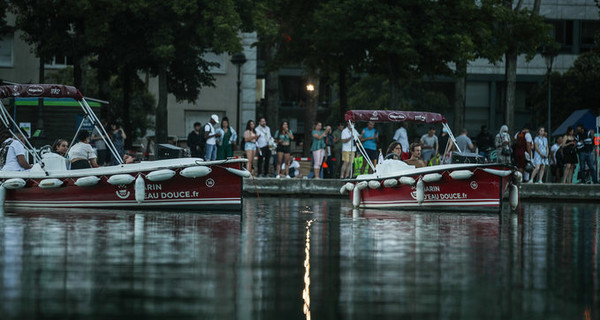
569 147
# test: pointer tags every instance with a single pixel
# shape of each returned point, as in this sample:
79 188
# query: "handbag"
529 166
506 150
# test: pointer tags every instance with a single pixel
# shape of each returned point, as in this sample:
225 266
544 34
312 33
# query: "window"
589 31
563 33
59 62
6 51
221 59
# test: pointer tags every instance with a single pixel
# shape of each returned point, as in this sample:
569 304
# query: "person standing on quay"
318 148
210 135
250 138
195 141
283 137
540 155
585 149
337 149
348 149
569 147
369 138
264 152
226 140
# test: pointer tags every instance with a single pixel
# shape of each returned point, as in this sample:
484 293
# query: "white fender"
14 183
195 172
461 174
518 177
2 198
140 188
361 185
50 183
420 191
390 183
513 196
121 179
432 177
356 198
87 181
374 184
501 173
409 181
242 173
343 190
349 186
160 175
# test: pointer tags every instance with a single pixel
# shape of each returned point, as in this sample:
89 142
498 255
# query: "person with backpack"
195 141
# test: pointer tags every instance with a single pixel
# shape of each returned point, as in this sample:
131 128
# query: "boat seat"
54 162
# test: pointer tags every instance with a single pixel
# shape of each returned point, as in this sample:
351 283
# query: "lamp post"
549 61
238 59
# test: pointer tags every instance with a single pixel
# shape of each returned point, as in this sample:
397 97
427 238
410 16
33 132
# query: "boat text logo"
123 193
210 182
397 116
420 117
35 90
474 185
374 116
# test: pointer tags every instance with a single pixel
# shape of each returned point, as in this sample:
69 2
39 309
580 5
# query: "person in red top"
523 146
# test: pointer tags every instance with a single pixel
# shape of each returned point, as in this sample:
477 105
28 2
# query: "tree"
522 31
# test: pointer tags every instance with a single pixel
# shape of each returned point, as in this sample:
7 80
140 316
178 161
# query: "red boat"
395 184
188 183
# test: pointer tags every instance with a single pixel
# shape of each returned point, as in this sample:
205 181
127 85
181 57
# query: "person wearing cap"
210 135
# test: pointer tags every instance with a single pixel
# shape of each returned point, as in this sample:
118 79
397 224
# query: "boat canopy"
394 116
40 91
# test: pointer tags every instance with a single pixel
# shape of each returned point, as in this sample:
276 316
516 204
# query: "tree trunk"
511 88
343 92
310 113
127 107
272 92
103 77
395 90
460 94
161 108
77 73
40 110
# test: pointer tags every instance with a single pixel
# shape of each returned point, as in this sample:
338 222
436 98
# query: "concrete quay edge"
331 188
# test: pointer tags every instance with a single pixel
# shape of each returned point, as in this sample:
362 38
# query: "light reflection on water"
301 258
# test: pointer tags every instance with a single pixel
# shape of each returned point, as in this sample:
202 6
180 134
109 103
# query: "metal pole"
239 83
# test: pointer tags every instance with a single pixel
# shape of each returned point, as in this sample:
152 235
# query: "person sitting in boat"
60 147
394 151
82 154
12 154
415 156
127 159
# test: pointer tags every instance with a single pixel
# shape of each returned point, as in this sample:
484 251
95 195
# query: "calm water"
300 259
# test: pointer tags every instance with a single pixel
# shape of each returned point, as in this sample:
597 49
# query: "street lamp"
238 59
549 52
549 61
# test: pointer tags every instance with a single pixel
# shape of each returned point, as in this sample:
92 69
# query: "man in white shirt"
211 138
401 136
264 152
348 149
13 155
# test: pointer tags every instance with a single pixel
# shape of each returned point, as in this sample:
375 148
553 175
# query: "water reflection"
538 263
